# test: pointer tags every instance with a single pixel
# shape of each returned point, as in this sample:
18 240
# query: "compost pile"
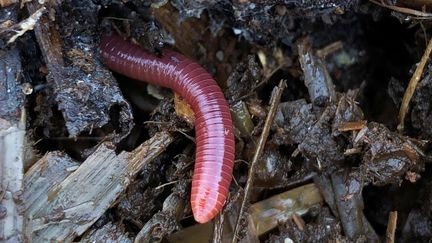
330 99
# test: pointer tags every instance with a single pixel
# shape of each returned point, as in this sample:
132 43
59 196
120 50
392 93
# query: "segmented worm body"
214 134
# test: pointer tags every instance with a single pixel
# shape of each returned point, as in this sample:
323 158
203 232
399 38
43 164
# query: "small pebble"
288 240
27 88
220 55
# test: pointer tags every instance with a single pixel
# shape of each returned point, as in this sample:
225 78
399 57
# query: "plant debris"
341 154
85 91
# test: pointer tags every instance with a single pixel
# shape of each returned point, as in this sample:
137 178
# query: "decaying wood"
194 39
11 95
84 89
49 41
187 33
165 221
43 176
316 76
66 209
108 233
12 139
349 205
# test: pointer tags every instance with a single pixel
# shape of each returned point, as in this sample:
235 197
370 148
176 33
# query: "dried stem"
403 10
413 85
274 103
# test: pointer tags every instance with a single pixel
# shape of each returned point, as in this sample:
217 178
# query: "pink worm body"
214 157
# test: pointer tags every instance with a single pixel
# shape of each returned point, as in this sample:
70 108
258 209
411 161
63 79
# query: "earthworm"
214 158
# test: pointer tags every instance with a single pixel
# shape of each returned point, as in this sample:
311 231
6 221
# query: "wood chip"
69 204
268 213
298 221
352 126
329 49
391 227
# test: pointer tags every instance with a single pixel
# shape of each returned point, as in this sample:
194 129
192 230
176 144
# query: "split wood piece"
12 148
12 138
43 176
68 208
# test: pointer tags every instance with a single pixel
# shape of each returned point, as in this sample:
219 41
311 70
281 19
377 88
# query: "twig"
403 10
412 86
235 181
242 161
351 126
116 18
187 136
26 25
329 49
166 184
73 139
391 227
274 103
316 76
157 122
